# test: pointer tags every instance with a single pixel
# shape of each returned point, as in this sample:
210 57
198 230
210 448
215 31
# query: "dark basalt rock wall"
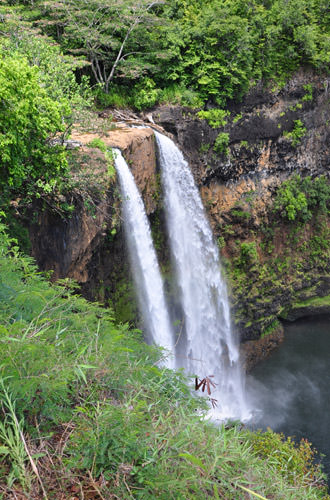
259 120
260 157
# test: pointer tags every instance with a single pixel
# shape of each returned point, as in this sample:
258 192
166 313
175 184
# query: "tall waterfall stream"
206 346
146 273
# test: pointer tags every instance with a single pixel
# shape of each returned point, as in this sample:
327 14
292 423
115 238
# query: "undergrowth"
87 411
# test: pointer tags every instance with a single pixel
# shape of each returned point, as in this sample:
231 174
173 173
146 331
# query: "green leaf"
253 493
4 450
194 460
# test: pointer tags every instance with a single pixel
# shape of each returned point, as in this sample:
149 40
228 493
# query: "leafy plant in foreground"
108 419
11 443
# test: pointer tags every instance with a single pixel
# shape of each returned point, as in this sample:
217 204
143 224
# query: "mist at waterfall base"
291 388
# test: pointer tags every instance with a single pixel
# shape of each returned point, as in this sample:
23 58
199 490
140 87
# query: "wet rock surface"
254 351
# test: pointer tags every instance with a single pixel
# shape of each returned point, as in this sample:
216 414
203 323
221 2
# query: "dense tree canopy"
227 46
217 49
39 99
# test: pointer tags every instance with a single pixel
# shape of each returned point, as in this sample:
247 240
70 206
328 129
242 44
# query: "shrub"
117 97
297 197
309 93
98 144
179 94
145 94
290 459
297 133
215 117
248 254
221 143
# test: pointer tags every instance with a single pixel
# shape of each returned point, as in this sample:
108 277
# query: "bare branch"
99 25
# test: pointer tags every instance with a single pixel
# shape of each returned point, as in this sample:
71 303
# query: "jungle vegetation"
85 409
59 57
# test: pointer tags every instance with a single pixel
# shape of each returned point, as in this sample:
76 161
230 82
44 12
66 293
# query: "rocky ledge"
73 245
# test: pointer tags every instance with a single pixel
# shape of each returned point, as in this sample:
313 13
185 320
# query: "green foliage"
145 94
124 301
185 51
109 156
237 118
298 197
16 230
56 72
248 254
225 47
29 120
115 36
117 97
317 302
50 339
179 94
242 214
204 148
291 460
215 117
99 144
309 93
270 328
297 133
96 391
221 143
11 439
292 201
293 240
221 242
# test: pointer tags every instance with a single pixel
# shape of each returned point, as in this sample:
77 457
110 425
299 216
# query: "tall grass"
101 418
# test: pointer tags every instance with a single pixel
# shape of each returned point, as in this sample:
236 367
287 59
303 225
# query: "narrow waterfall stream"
146 273
207 348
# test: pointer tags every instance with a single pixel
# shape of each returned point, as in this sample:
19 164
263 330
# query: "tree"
107 32
29 119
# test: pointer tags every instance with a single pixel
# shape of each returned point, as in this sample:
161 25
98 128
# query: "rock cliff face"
88 245
271 136
261 155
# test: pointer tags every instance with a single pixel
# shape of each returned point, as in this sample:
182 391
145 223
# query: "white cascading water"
208 346
146 273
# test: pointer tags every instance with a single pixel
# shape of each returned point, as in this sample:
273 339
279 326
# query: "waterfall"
207 347
146 273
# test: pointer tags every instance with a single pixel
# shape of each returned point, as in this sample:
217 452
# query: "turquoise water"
291 389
